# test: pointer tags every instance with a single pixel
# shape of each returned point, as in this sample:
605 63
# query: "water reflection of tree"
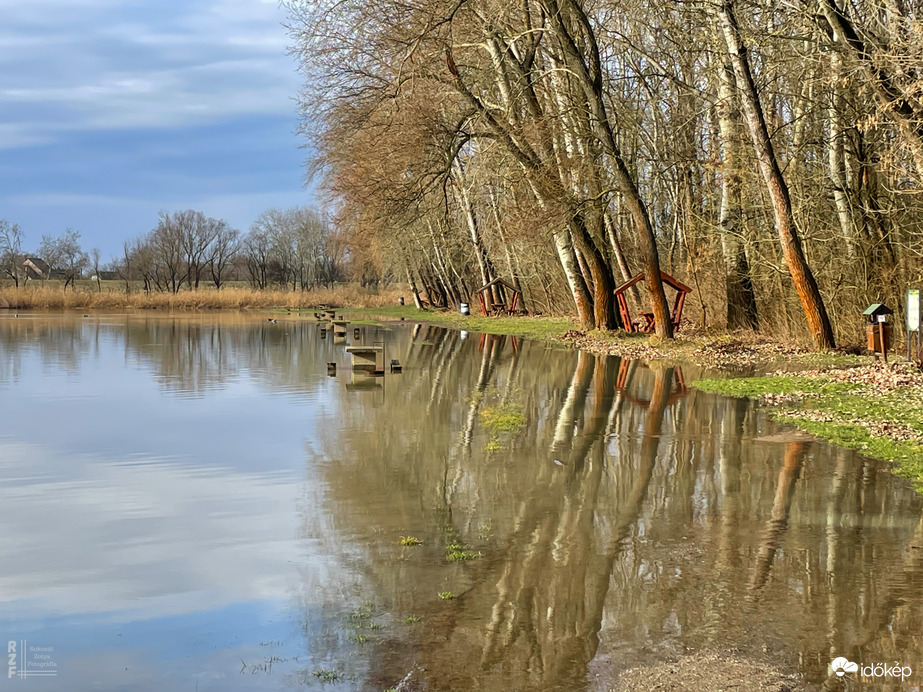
629 518
547 601
59 343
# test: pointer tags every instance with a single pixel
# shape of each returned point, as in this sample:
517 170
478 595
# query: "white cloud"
82 535
117 65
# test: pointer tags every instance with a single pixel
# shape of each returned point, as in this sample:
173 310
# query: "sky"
113 110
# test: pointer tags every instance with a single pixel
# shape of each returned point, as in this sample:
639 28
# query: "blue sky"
112 110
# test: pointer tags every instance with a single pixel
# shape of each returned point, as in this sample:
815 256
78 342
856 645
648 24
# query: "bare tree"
789 237
224 250
64 255
94 264
11 257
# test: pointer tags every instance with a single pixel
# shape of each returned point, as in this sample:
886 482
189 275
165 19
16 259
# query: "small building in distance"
37 268
106 275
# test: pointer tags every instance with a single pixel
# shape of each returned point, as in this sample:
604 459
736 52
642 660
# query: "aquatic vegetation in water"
459 552
361 615
327 675
411 619
503 418
410 541
446 595
503 421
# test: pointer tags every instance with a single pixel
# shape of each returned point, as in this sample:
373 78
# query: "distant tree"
291 247
94 261
64 255
11 251
123 265
224 251
199 233
257 248
140 261
166 241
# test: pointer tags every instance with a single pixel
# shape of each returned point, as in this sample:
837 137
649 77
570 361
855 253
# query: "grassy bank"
873 409
548 328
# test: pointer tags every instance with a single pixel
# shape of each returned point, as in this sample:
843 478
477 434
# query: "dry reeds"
39 297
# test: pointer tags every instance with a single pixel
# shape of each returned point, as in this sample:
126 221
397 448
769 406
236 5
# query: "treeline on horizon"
293 248
768 155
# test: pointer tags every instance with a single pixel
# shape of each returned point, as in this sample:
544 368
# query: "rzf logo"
11 650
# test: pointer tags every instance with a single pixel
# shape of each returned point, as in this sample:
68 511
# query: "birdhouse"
877 312
877 329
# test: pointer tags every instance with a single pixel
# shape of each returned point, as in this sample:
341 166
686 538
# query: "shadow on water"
578 514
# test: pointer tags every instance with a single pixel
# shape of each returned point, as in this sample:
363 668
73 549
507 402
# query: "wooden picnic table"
648 324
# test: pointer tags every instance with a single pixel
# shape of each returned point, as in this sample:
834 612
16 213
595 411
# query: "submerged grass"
880 423
325 675
459 552
503 421
503 418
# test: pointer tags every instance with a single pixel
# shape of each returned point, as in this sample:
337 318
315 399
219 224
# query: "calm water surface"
192 503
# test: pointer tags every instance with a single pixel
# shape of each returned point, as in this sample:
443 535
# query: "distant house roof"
35 262
36 268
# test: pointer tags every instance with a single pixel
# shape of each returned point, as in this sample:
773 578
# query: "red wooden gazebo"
493 300
646 324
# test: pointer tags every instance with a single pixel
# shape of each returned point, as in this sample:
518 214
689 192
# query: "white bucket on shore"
464 309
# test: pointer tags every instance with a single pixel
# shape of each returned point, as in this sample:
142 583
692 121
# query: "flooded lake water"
192 503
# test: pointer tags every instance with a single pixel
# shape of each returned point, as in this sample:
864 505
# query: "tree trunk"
894 101
575 282
741 299
484 264
803 278
590 79
836 160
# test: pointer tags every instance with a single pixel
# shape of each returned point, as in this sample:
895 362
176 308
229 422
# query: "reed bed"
38 297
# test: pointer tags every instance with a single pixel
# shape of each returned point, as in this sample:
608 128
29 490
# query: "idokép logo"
841 666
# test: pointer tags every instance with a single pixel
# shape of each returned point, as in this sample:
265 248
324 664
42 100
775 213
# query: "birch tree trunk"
587 69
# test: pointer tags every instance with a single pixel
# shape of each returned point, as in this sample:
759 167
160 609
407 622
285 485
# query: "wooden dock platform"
370 358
